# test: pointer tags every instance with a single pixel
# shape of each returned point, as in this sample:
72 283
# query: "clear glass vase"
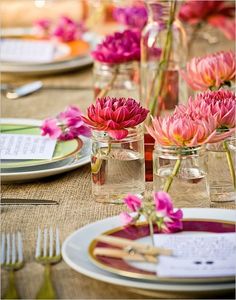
117 166
116 80
182 172
163 54
221 169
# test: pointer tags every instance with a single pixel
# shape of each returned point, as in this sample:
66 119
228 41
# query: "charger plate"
76 255
146 271
62 150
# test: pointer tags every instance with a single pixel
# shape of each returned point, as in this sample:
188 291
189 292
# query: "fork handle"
47 290
11 292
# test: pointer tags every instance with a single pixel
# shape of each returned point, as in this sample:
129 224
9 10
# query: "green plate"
62 150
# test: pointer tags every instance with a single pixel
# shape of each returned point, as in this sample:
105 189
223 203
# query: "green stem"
151 231
109 86
172 175
230 163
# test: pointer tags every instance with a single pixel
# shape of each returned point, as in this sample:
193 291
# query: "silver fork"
11 260
47 253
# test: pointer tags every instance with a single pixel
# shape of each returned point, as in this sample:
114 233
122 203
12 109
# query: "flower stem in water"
230 163
173 174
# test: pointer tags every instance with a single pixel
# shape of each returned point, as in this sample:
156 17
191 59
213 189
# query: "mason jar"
221 166
117 166
182 172
116 80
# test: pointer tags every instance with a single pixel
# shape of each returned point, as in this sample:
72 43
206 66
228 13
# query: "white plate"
31 173
62 66
75 254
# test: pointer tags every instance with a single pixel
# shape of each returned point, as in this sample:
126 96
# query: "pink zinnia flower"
50 128
119 47
114 115
220 105
169 221
210 71
219 14
181 130
133 202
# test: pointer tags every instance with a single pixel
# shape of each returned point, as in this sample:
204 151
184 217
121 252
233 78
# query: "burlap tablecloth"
72 190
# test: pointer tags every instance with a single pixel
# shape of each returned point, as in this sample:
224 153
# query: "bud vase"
182 172
221 173
163 54
117 166
116 80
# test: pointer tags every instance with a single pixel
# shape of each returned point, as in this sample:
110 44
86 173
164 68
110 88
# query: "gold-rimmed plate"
122 267
63 149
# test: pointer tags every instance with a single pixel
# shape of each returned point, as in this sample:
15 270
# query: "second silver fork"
48 252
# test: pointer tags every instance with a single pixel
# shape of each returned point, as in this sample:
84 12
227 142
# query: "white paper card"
16 50
197 255
24 146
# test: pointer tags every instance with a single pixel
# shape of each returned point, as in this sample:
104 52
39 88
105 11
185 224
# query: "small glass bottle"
116 80
163 54
117 166
221 166
182 172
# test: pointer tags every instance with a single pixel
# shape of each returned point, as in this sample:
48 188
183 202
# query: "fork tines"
11 250
47 244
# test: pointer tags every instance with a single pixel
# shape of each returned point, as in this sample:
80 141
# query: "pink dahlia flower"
211 71
133 202
221 105
168 220
119 47
66 126
182 131
134 16
219 14
126 218
114 115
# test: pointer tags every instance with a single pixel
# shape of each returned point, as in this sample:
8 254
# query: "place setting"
126 187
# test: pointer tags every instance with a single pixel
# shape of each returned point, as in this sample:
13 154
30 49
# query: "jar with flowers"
116 66
117 159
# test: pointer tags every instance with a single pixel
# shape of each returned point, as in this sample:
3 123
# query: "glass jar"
221 169
116 80
163 54
117 166
182 172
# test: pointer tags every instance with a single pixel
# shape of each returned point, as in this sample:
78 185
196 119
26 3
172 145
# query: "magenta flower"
133 202
67 30
50 128
217 13
211 71
67 125
134 16
220 105
119 47
114 115
126 218
169 221
182 131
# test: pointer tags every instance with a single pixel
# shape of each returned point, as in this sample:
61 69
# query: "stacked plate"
78 253
67 156
67 56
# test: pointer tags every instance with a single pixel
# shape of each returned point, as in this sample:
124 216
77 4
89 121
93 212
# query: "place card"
24 146
26 51
197 255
